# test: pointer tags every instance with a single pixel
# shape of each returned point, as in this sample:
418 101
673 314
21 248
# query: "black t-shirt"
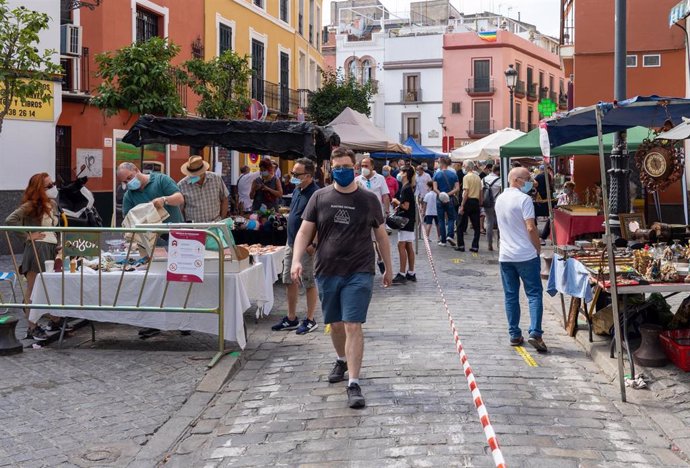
461 175
343 223
407 195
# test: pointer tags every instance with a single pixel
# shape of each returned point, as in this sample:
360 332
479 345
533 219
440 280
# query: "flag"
489 36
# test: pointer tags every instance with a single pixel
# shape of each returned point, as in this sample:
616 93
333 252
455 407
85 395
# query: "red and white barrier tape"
491 438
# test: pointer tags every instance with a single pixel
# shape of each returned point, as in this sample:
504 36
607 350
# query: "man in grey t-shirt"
343 215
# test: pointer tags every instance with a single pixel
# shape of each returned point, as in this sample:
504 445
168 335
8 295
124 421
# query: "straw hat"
195 166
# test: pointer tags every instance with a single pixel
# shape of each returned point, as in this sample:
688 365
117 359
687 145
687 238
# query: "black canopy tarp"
286 139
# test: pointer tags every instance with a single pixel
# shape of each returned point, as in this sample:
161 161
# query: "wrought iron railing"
480 85
480 128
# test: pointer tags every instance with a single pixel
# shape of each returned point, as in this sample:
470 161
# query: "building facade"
27 140
476 99
656 64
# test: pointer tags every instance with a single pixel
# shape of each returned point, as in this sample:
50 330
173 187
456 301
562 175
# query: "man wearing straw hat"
205 193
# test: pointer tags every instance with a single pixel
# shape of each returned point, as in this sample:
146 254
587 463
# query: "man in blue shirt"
155 187
446 187
303 177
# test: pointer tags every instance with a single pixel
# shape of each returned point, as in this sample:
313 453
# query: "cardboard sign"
186 251
81 244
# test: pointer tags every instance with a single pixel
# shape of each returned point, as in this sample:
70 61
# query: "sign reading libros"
33 108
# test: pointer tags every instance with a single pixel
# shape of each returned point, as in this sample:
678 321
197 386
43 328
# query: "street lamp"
442 122
511 80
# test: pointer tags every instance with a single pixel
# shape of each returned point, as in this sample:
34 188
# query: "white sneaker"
442 244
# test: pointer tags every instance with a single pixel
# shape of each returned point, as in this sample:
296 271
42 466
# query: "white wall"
28 147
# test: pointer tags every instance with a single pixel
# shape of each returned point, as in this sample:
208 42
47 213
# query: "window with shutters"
300 18
311 21
258 70
285 10
482 75
284 83
455 107
224 38
481 124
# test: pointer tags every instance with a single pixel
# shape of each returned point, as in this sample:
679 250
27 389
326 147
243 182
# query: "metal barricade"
98 234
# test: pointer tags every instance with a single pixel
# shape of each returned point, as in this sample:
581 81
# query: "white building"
413 73
27 141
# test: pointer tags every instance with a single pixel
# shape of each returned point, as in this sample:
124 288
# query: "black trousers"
470 213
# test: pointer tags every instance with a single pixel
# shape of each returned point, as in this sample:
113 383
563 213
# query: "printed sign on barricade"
81 244
186 251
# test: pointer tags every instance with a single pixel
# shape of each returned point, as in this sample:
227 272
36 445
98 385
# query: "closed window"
411 126
518 116
651 60
285 10
482 117
366 71
631 61
258 70
311 21
455 107
259 3
224 38
147 25
300 18
284 83
482 75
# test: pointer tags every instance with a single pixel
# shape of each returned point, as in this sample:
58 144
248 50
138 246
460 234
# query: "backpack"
489 199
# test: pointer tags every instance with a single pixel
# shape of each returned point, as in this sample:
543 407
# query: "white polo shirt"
376 184
513 208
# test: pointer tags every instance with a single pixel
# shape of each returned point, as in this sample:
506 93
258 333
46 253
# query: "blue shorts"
345 298
430 219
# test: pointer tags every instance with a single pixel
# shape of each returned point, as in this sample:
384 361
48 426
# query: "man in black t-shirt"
343 215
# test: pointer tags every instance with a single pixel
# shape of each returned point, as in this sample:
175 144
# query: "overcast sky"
542 13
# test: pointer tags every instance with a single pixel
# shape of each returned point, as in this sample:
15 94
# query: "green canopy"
528 144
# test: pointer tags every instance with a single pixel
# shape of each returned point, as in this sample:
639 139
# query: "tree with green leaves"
338 92
22 67
222 85
140 79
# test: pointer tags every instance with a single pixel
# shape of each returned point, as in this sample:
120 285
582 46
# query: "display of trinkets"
642 260
668 254
653 271
668 273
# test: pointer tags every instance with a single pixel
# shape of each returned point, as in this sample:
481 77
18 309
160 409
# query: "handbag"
453 198
395 221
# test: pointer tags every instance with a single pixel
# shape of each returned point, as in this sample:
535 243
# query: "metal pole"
611 260
619 172
511 106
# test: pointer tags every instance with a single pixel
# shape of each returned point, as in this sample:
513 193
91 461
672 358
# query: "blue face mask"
295 181
134 184
194 179
399 177
527 187
343 176
386 173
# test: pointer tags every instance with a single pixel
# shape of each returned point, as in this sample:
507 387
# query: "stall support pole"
611 258
684 193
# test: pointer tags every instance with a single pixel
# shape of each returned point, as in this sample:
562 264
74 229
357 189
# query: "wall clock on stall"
660 164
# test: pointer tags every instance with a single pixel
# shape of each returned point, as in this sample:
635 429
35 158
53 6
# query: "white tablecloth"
240 290
273 267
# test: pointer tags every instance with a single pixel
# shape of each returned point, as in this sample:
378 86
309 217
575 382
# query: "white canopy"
360 134
679 132
487 148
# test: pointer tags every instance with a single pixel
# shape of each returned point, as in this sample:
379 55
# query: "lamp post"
511 80
442 122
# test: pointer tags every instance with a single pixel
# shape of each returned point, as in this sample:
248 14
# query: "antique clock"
660 164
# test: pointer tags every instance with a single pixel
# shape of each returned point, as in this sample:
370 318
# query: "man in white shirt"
374 182
244 188
518 257
421 179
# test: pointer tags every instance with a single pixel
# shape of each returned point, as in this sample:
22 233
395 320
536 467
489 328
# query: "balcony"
519 89
532 92
411 95
543 93
480 86
553 96
519 126
563 101
279 98
480 128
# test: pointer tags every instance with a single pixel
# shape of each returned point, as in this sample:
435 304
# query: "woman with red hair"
38 208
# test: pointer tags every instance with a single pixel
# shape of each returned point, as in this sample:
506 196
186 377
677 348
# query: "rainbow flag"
489 36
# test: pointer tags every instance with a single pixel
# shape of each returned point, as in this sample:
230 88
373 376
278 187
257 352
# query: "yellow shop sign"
32 108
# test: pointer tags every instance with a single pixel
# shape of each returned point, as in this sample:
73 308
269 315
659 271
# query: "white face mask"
366 171
52 193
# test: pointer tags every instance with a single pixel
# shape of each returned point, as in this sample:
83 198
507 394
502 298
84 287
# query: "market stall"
358 133
271 257
418 153
603 118
485 148
572 222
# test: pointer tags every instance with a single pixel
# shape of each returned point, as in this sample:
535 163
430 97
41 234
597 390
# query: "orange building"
84 136
655 57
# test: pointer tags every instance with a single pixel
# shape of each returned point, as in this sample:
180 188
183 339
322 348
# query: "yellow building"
283 39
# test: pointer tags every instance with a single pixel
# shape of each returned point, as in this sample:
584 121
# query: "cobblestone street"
62 407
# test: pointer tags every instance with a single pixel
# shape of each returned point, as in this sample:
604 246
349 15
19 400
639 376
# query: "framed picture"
631 222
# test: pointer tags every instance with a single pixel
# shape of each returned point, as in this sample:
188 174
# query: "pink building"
476 101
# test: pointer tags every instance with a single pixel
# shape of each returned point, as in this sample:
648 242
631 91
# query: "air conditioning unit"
70 40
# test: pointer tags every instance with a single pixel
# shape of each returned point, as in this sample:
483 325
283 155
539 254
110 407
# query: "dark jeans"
446 219
470 213
546 232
